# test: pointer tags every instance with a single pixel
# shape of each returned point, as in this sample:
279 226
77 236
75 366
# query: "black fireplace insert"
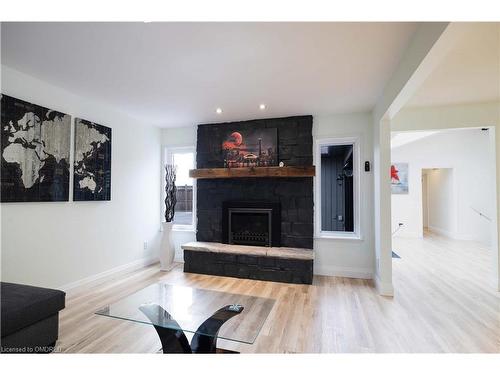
254 223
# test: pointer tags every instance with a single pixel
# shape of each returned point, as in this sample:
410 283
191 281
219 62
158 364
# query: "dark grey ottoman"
29 318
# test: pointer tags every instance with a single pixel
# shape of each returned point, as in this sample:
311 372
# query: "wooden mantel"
253 172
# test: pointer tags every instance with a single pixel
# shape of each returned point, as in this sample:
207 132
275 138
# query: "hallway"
451 284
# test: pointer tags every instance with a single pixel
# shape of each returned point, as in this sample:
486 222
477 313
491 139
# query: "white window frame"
168 158
339 141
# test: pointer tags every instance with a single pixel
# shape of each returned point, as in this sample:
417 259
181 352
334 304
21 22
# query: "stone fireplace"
294 195
255 227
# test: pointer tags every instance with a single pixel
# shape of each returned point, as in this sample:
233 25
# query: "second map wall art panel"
35 152
92 167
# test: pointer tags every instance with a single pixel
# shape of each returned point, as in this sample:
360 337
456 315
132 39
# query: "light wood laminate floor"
445 301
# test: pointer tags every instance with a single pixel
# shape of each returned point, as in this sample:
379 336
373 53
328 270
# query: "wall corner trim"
384 289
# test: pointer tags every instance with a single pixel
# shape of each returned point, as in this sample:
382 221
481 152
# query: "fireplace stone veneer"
279 264
295 195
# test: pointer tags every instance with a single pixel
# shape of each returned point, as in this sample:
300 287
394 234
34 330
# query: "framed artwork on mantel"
250 148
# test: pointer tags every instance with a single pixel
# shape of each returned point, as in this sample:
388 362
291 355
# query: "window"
184 160
337 188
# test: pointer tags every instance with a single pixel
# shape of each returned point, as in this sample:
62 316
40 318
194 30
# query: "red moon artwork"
237 138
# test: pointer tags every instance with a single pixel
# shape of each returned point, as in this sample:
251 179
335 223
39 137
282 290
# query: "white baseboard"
136 264
384 289
408 234
443 232
351 272
455 235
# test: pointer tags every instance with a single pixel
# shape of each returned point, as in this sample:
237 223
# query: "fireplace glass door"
250 226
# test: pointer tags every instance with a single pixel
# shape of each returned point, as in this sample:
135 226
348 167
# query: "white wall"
442 212
468 153
349 257
58 243
467 115
425 200
346 257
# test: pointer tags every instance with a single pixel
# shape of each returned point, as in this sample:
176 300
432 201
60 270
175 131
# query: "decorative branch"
171 192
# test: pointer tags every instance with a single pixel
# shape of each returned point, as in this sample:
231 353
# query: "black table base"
173 339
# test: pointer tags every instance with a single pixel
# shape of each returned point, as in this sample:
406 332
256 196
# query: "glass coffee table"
175 311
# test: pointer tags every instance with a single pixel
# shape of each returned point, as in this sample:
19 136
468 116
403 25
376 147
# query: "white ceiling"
177 74
399 139
469 73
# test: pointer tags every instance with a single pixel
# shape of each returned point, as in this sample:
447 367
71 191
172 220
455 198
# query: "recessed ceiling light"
219 111
262 107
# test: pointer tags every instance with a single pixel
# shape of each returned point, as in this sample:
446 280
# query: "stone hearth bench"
280 264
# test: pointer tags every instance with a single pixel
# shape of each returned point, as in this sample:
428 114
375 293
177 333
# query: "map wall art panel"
92 166
35 152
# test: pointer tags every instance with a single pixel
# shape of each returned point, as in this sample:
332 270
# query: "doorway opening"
438 202
444 202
